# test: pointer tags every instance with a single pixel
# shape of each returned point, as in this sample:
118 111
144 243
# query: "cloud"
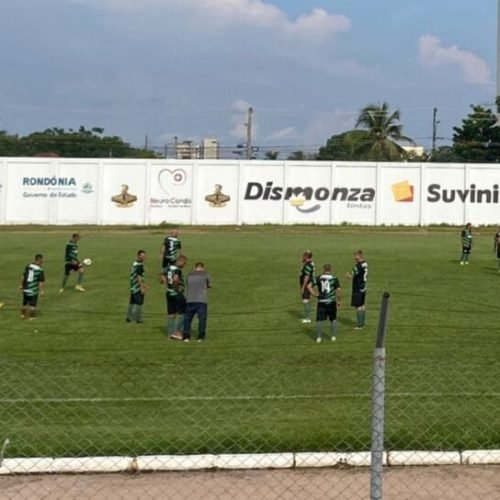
433 54
314 26
284 133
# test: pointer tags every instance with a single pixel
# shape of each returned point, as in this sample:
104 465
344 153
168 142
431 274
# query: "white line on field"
270 397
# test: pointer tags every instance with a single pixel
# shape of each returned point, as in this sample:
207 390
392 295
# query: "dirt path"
443 483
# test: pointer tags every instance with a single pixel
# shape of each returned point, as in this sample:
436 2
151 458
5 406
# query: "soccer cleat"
128 320
61 290
305 320
1 305
200 340
185 340
79 288
22 316
359 327
176 336
318 340
462 263
334 339
466 263
140 321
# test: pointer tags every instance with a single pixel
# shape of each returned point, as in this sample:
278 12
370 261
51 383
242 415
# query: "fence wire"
187 431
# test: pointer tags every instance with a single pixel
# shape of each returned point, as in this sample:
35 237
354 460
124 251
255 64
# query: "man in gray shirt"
197 282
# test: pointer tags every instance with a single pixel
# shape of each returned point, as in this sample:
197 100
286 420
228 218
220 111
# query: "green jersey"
32 277
136 273
327 287
170 273
360 277
467 238
71 253
172 245
307 271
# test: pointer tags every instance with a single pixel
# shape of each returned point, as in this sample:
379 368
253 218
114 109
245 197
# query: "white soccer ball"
87 262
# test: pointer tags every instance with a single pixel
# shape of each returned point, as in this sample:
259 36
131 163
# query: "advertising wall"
141 192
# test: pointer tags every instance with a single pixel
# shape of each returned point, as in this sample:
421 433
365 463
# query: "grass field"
80 381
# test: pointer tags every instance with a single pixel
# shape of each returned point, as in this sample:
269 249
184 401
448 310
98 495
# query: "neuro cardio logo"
403 192
170 182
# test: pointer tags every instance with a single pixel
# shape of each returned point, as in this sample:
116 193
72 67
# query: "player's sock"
179 324
307 310
130 312
65 280
170 325
359 318
80 279
319 329
362 317
333 328
138 314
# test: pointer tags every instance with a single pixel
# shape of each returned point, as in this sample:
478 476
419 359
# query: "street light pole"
498 56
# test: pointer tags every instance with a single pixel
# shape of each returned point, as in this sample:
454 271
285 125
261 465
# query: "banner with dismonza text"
141 192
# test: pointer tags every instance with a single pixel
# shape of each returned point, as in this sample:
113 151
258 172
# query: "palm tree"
384 133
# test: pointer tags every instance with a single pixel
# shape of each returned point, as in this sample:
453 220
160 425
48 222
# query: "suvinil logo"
403 192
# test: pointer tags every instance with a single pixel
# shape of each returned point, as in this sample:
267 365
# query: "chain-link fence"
236 429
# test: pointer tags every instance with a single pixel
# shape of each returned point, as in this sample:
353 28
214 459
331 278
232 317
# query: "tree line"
377 136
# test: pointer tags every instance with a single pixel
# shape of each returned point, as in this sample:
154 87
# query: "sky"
191 68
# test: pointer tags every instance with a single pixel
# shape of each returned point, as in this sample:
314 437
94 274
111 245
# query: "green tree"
444 154
344 147
9 144
272 155
302 156
81 143
478 139
384 133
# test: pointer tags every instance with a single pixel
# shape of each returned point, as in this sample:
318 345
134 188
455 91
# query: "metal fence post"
378 405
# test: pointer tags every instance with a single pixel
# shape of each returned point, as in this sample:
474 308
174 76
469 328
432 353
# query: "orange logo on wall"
403 192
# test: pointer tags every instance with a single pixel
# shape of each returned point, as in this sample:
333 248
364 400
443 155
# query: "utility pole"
176 141
249 126
498 57
435 123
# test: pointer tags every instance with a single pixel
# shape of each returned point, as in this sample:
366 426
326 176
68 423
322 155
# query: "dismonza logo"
299 195
436 193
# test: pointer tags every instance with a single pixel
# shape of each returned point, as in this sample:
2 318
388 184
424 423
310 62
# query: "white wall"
74 191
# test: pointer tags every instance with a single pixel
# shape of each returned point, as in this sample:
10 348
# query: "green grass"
87 383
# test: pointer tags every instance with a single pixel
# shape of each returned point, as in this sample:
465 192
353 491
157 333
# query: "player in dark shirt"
359 276
71 263
329 297
306 277
171 245
466 239
33 283
176 302
496 247
137 288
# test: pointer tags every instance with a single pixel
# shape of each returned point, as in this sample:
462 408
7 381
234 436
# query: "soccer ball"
87 262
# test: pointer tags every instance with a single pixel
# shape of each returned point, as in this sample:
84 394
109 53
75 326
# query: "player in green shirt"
329 297
71 263
306 278
171 245
33 283
137 288
176 302
466 239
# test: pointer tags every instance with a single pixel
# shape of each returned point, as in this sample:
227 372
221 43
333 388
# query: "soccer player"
359 276
171 245
71 263
176 302
137 288
496 246
329 298
33 282
306 277
466 237
198 282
